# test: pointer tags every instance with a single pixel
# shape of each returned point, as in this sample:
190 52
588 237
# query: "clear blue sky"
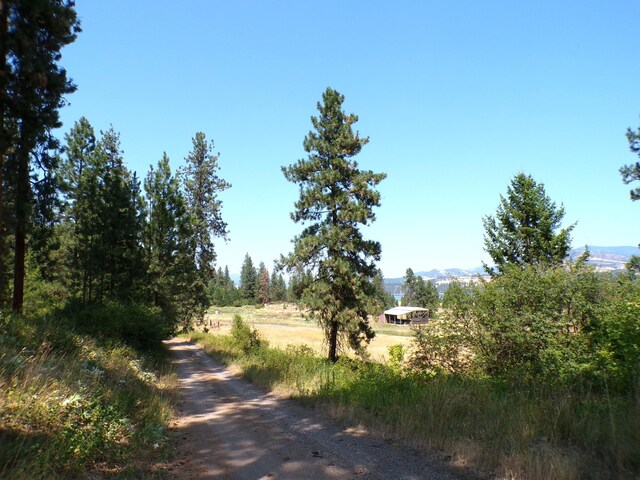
456 97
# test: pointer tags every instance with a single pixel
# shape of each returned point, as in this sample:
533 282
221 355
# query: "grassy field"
283 325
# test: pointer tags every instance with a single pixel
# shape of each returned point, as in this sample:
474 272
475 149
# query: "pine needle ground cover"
488 426
71 406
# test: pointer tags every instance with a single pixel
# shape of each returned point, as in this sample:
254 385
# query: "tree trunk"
333 341
22 200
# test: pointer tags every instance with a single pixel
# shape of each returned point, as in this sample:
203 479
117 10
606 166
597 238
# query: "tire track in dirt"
229 429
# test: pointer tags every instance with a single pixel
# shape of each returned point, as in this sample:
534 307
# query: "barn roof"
404 310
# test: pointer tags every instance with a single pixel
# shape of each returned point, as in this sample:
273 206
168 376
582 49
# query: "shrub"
244 335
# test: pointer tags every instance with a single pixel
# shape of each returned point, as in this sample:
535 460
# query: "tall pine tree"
120 255
631 173
264 294
32 89
336 197
249 280
202 185
168 239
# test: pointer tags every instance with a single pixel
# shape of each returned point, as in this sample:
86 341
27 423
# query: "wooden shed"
406 315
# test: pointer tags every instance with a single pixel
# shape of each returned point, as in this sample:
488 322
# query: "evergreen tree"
222 291
263 284
409 288
202 186
278 287
631 173
426 295
336 197
32 89
382 298
120 256
249 280
299 280
525 230
169 245
82 172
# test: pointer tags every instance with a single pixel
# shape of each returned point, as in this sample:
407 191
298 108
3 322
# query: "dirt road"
231 430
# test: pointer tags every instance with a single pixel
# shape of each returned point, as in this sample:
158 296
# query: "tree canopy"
336 197
526 228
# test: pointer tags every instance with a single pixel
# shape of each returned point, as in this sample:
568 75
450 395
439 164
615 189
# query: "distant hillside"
607 258
603 258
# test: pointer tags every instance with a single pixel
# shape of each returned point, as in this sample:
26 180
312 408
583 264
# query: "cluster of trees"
74 221
111 243
257 286
420 293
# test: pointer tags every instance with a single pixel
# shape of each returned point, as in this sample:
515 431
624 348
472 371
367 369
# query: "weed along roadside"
74 405
478 424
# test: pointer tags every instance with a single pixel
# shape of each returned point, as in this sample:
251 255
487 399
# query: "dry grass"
283 325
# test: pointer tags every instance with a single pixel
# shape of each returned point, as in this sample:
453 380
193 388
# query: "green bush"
615 342
245 336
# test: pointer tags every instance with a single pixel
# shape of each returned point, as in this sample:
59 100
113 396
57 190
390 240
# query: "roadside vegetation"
75 398
557 416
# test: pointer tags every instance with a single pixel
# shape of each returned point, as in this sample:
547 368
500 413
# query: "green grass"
72 407
492 428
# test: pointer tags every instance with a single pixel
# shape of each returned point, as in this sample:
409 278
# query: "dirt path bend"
229 429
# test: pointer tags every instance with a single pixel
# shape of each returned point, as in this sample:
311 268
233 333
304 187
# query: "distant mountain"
607 258
437 274
603 258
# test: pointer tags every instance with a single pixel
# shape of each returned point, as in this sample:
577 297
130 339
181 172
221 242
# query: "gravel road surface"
231 430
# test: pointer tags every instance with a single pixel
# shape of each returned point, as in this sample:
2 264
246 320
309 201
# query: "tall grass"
491 427
70 405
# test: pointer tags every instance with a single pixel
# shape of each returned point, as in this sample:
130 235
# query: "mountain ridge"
604 258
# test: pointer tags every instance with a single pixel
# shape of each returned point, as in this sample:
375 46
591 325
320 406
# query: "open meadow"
284 324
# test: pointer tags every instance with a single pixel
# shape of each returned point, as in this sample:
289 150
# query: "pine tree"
120 254
169 246
409 288
426 295
631 173
32 89
526 228
249 280
382 298
336 197
278 287
202 185
263 284
82 172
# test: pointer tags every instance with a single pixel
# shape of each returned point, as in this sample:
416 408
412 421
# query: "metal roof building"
406 315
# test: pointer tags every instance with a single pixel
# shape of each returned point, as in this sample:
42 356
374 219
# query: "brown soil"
229 429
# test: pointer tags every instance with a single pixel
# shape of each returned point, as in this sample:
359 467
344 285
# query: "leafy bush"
615 341
244 335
